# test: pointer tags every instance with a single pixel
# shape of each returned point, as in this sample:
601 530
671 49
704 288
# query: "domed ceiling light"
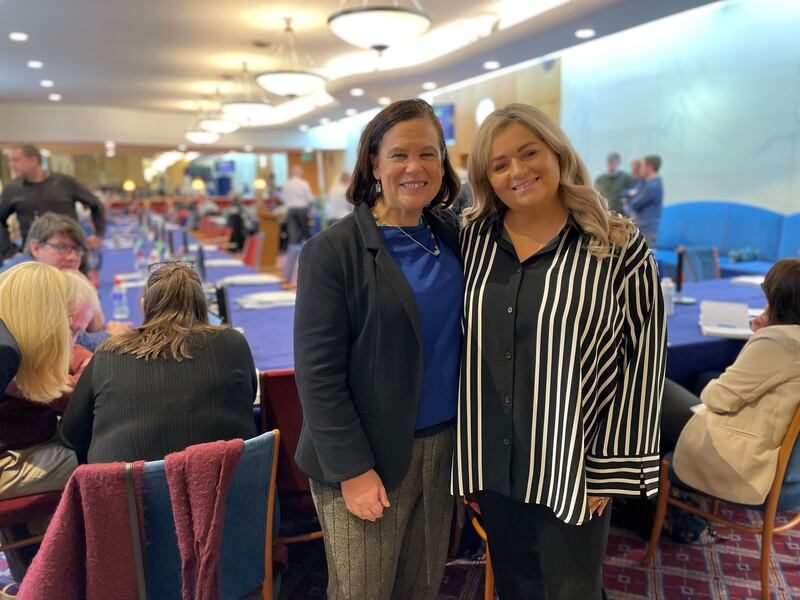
380 26
290 79
247 107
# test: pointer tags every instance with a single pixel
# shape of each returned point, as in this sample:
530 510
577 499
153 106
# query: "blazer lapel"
387 267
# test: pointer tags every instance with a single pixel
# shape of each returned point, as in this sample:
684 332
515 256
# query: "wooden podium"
270 228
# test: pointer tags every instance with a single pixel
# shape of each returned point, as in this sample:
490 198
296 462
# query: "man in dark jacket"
34 192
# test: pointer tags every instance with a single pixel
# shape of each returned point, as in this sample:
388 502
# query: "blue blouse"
438 286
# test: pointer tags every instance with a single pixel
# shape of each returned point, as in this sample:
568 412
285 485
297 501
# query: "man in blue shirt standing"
645 206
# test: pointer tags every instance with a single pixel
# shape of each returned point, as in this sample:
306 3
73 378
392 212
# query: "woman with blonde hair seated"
34 304
172 382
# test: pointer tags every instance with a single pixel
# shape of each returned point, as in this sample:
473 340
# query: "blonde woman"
563 359
34 304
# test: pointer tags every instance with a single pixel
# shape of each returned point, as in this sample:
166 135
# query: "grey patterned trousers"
401 556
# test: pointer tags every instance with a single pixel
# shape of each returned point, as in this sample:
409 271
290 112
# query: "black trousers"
676 410
536 556
297 225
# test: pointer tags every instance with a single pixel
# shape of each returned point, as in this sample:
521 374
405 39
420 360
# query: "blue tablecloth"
690 352
268 331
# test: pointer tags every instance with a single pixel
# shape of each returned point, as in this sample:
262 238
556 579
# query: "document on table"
754 280
223 262
266 300
249 279
725 319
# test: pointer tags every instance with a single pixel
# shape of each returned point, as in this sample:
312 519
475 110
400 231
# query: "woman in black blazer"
377 346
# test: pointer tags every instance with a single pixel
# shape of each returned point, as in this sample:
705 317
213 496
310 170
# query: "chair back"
247 537
251 253
281 409
787 473
702 262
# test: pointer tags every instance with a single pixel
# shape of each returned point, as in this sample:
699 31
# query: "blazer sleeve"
624 458
93 203
75 428
322 332
762 364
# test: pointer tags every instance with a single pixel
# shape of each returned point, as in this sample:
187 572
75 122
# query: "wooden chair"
473 512
281 409
783 495
17 511
247 532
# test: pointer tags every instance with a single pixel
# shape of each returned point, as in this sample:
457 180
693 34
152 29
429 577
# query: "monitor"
445 114
225 167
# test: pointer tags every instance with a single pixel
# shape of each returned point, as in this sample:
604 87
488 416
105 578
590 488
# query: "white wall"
715 91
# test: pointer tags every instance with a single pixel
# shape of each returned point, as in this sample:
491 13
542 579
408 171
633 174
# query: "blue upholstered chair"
784 495
246 561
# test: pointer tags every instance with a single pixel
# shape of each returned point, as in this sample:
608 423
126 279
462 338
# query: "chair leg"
766 548
661 513
488 585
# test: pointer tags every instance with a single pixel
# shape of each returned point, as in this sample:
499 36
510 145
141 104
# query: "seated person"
59 241
34 306
730 447
9 356
173 382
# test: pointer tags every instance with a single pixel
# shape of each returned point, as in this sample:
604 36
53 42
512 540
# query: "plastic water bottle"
119 301
668 291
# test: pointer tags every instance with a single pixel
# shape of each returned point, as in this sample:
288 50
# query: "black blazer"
9 357
358 351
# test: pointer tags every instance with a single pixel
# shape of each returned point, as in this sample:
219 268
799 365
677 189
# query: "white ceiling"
166 55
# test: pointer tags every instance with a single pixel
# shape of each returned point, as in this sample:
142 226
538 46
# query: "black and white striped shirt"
562 371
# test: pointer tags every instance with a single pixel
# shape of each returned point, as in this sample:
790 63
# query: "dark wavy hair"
362 185
174 308
782 289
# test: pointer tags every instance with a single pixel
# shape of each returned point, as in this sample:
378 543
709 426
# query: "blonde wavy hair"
607 231
34 304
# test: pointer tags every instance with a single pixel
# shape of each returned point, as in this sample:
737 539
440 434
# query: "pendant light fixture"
378 26
216 121
247 107
290 79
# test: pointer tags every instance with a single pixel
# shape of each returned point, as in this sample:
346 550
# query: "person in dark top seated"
9 356
171 383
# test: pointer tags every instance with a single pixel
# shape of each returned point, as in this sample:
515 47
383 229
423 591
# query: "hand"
118 327
94 242
364 496
597 503
760 321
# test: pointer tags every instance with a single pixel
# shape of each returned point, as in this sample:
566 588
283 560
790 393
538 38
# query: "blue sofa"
728 226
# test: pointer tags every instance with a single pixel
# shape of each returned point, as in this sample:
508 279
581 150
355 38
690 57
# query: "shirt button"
510 309
507 399
508 355
519 269
506 441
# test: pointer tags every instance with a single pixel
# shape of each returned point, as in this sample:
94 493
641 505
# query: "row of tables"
269 331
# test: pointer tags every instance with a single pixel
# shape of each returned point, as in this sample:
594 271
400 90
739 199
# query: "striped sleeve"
623 458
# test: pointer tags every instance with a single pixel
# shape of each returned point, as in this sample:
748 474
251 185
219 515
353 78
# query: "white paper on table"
128 276
267 299
206 247
755 312
754 280
223 262
249 279
725 319
132 283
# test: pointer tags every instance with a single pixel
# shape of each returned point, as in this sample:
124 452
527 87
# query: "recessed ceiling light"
248 148
429 85
491 65
18 36
584 34
350 112
303 127
356 92
35 64
384 101
182 147
54 97
46 83
110 145
324 121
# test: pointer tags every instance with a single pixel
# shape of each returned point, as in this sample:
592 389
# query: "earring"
378 188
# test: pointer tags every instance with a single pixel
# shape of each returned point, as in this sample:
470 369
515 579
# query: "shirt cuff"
622 475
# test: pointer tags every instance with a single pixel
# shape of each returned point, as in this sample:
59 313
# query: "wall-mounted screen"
444 112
